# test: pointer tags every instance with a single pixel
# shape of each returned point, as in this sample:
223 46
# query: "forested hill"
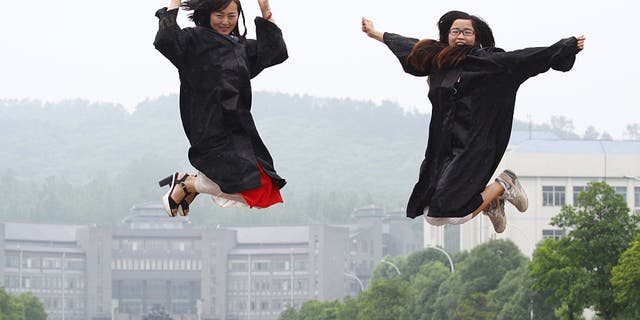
82 162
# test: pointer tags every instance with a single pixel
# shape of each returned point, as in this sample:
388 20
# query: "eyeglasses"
465 32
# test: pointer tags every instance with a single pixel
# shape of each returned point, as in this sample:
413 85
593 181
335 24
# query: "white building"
553 172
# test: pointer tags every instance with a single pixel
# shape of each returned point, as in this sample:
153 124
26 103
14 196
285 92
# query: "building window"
280 265
553 196
12 261
301 265
452 238
637 196
260 266
74 264
11 281
238 267
576 192
622 191
554 234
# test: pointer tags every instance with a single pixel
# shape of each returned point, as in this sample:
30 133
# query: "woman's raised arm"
173 4
370 30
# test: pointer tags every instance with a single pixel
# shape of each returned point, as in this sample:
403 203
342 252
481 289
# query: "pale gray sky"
102 51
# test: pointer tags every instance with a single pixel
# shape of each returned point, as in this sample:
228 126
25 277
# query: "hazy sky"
102 51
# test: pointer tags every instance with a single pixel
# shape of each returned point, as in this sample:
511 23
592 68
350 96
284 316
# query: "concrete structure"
553 172
375 235
152 261
59 265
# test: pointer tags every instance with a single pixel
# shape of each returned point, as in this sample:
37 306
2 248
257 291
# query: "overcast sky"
102 51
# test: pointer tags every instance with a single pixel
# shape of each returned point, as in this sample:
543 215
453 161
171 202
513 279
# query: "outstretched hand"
367 26
370 30
580 44
264 7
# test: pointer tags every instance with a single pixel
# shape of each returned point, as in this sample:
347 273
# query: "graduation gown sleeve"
529 62
268 49
170 40
401 48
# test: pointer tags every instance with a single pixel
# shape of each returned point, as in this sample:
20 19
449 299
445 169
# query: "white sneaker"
495 212
513 191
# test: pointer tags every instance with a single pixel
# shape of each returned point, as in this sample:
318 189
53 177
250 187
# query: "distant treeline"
80 162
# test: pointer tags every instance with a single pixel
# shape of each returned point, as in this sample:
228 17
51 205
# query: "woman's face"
225 20
462 33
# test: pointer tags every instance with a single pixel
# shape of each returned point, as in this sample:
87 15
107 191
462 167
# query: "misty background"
102 52
80 162
89 116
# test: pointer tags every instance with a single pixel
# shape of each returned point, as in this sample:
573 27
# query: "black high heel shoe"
168 202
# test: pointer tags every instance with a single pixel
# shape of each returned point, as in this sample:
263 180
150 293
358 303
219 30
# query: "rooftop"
576 147
281 234
40 232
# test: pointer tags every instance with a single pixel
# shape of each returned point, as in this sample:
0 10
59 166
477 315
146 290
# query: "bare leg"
191 188
490 193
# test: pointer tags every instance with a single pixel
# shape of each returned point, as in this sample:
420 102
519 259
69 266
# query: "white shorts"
225 200
440 221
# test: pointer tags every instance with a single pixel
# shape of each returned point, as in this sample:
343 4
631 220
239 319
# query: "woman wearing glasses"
472 89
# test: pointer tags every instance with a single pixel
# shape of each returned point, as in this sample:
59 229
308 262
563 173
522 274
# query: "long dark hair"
430 53
202 9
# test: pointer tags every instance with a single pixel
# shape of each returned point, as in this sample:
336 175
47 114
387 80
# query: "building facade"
553 172
155 262
59 265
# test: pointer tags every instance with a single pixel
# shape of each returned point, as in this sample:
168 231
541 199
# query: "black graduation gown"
215 97
472 113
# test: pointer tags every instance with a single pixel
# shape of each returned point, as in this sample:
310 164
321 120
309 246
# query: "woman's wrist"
173 4
267 14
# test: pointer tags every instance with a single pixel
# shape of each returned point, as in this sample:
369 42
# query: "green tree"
577 269
554 272
473 308
480 272
386 299
348 310
316 310
633 131
289 314
511 299
33 308
426 284
591 133
22 307
626 280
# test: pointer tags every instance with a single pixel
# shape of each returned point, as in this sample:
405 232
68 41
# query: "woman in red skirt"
216 63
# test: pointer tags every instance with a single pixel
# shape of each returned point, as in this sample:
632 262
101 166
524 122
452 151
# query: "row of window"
262 285
71 304
12 260
135 308
176 289
43 282
240 306
157 264
362 245
554 196
555 234
155 244
268 266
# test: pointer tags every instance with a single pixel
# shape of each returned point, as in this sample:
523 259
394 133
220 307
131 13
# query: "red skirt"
263 196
